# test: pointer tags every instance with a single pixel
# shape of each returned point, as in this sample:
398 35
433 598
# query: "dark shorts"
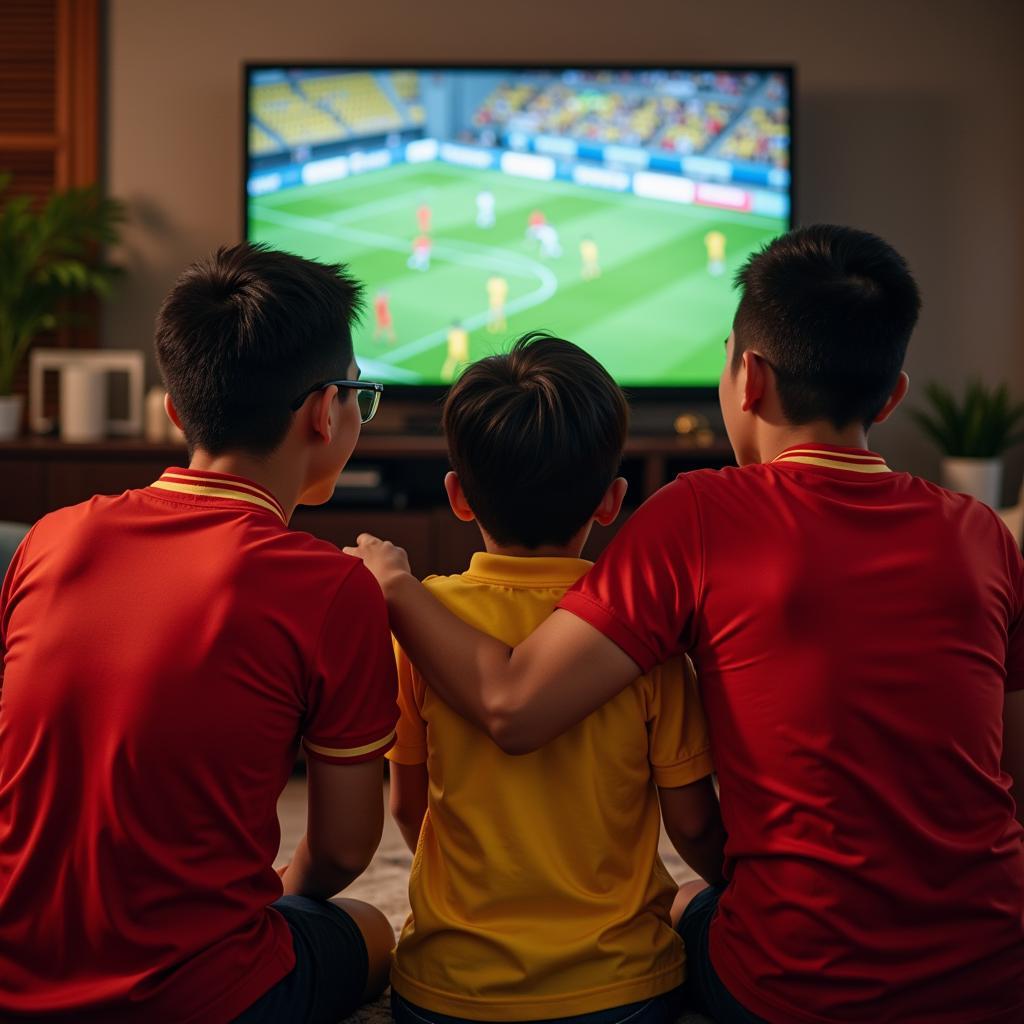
660 1010
703 990
330 972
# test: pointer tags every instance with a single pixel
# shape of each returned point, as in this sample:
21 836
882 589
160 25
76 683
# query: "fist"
387 562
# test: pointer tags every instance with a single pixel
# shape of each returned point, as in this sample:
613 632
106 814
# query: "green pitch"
654 316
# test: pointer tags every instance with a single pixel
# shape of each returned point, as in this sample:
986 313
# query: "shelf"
40 474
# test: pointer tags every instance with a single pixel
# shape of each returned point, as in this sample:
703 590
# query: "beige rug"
385 882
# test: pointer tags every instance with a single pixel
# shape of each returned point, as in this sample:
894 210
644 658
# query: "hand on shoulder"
388 563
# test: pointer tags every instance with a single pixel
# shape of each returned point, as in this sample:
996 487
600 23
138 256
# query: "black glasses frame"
354 385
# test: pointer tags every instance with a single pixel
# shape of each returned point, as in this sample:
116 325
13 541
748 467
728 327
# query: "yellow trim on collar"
219 492
876 467
199 482
366 748
825 453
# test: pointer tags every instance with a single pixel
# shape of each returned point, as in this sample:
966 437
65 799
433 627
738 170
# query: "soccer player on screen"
383 323
550 247
497 294
714 242
458 351
423 217
420 258
534 223
485 209
589 266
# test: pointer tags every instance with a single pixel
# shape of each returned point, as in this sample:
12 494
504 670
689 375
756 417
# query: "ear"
611 504
319 407
755 380
898 394
457 499
172 413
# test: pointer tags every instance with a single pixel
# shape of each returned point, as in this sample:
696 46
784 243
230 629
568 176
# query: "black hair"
243 333
831 310
536 437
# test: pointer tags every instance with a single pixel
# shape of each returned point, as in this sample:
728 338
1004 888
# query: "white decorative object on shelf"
83 403
85 398
157 419
980 478
10 416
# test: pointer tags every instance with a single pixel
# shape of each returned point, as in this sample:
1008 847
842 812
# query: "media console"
407 506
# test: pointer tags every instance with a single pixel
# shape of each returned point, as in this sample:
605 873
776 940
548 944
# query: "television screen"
608 206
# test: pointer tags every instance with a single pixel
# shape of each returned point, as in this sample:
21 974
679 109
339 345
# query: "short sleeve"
678 743
351 710
645 588
411 735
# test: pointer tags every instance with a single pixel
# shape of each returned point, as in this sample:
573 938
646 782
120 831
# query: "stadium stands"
292 118
357 100
312 109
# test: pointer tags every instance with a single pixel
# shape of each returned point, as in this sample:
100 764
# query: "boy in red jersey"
859 637
164 652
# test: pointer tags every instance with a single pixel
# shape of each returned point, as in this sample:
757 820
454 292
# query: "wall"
910 115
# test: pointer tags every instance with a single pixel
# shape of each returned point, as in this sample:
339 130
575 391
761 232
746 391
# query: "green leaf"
48 253
981 425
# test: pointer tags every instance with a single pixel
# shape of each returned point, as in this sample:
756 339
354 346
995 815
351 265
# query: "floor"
384 884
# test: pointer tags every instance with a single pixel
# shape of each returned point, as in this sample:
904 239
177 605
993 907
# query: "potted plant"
48 254
972 434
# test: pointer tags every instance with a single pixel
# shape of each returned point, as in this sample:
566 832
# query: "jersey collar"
526 572
827 456
203 483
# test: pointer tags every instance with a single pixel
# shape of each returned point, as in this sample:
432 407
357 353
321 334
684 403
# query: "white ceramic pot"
980 478
10 416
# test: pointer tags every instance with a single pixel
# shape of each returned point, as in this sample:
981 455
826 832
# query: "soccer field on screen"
655 315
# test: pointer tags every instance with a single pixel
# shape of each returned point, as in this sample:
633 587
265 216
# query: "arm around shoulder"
521 698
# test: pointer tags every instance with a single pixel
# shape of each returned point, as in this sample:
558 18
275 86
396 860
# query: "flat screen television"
611 206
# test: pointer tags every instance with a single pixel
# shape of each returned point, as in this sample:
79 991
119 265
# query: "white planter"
10 416
980 478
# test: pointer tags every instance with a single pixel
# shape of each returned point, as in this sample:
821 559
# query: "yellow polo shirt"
536 888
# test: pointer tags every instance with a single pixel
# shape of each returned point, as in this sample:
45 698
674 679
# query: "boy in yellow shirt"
537 892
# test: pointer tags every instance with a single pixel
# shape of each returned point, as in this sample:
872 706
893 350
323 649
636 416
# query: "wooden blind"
49 93
49 104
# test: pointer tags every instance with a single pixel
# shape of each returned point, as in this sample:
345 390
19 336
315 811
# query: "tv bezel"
433 392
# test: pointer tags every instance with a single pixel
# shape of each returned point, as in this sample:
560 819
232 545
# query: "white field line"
465 253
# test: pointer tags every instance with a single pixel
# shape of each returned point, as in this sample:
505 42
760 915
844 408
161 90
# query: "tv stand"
409 506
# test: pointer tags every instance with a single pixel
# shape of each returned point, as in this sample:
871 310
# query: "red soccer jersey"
382 311
855 631
163 652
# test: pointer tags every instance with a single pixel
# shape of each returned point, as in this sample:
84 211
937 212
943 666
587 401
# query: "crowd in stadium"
689 115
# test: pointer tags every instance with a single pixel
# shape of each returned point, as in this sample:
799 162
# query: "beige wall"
910 120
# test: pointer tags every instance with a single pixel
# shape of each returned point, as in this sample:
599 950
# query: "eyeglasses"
367 395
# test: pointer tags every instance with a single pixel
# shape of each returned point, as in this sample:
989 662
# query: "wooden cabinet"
38 475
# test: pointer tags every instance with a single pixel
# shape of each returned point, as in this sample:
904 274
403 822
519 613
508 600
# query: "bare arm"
344 822
693 822
409 784
521 697
1013 745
